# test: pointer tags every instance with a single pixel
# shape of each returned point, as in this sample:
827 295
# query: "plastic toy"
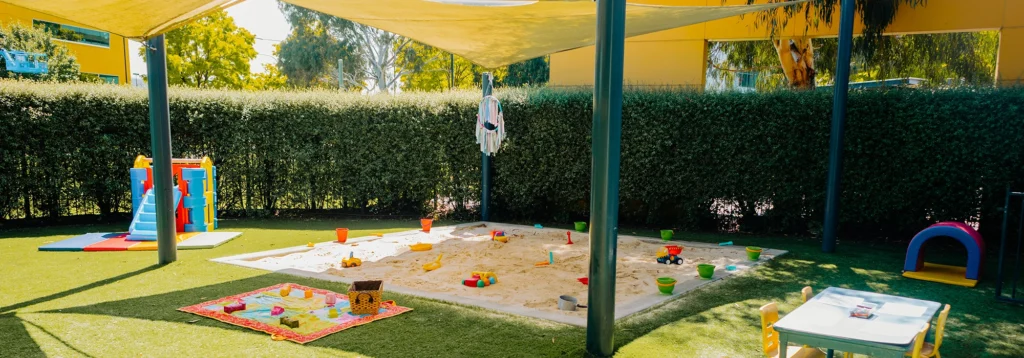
238 306
333 313
568 303
670 255
584 280
342 234
276 310
498 235
425 224
539 226
330 299
727 243
309 244
419 246
481 279
706 271
351 261
431 266
309 294
378 234
666 285
290 322
551 260
730 267
581 226
195 197
568 235
753 253
667 234
285 291
915 267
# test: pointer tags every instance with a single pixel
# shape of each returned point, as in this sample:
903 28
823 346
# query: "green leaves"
756 162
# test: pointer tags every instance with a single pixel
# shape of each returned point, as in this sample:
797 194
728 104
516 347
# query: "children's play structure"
195 202
916 268
24 62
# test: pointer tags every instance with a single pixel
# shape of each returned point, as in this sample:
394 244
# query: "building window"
747 79
74 33
110 79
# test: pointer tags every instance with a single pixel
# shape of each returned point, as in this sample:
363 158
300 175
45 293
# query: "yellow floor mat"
151 245
953 275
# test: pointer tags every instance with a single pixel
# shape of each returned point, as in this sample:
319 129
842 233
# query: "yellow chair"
806 293
919 343
928 349
770 339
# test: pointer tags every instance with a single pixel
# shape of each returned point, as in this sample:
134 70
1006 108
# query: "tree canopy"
209 52
61 65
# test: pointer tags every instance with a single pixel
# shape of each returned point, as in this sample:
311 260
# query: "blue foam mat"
78 243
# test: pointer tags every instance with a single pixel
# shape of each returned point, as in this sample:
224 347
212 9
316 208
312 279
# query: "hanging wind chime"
490 125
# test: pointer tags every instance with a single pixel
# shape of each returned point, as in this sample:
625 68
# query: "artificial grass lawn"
121 304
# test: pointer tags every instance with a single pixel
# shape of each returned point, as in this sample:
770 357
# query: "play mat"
312 314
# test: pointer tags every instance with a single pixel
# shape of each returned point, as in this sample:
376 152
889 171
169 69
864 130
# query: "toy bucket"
666 285
568 303
342 234
753 253
674 249
706 271
581 226
666 235
425 224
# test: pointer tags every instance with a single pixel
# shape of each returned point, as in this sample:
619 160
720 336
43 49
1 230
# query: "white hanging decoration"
490 125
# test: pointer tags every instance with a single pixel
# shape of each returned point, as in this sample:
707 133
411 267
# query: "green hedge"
689 160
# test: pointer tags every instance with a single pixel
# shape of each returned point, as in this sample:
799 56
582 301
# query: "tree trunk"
797 58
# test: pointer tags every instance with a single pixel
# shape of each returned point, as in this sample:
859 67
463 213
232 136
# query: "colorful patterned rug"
312 314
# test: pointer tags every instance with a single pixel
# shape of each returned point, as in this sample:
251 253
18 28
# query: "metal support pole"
835 158
604 182
451 72
160 136
485 163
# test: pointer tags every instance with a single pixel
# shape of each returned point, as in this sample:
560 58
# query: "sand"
520 282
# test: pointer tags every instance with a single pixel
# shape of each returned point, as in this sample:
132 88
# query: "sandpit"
522 287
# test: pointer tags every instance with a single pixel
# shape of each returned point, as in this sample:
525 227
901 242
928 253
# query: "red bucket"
674 249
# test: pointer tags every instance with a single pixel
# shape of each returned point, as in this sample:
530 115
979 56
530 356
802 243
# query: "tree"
61 65
528 73
372 53
209 52
796 55
309 56
432 69
969 58
271 78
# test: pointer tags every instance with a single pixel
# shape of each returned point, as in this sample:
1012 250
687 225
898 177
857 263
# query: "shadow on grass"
16 340
58 339
432 329
78 289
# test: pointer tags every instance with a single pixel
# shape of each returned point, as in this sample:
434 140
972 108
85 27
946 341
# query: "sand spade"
568 303
431 266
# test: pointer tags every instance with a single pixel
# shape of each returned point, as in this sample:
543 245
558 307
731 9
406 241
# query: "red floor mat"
116 244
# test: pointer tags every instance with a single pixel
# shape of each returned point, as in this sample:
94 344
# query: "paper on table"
818 315
902 309
894 330
840 300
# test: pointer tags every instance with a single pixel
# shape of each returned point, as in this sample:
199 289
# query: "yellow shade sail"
490 33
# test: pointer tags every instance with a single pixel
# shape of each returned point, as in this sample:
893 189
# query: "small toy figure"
499 235
286 290
277 310
290 322
331 299
309 244
238 306
309 293
568 235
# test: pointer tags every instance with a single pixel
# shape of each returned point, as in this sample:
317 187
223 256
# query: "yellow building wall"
678 57
113 60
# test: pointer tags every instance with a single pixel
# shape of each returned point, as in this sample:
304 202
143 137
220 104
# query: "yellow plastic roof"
490 33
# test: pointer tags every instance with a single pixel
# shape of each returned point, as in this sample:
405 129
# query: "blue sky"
260 17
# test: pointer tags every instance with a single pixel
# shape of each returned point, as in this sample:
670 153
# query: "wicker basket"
365 296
